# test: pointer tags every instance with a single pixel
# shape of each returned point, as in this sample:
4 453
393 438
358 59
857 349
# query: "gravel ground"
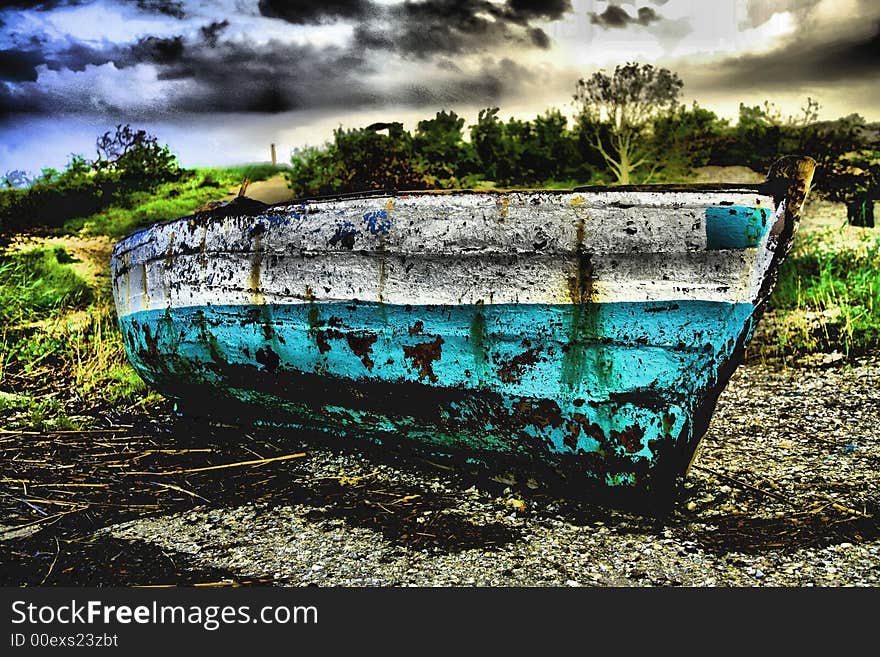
783 492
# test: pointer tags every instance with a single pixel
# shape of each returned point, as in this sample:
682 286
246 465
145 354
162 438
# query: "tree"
136 157
487 136
616 112
550 152
444 157
687 137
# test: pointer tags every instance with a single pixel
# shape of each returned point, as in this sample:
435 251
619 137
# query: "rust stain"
146 289
417 328
572 431
169 253
314 319
541 413
630 438
502 214
151 354
423 356
323 336
254 281
383 274
580 286
361 344
513 370
479 341
203 248
579 423
668 424
126 264
584 319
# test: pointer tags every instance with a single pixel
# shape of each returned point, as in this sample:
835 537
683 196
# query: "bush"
128 161
136 157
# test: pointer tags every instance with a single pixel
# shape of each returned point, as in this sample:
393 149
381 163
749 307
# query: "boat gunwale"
763 188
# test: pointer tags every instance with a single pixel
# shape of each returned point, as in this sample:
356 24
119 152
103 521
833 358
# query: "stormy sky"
218 80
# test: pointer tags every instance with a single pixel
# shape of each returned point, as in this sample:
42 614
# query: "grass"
38 283
828 294
168 201
59 341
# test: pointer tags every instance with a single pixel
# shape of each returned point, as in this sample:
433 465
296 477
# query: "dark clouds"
832 57
526 10
211 33
171 8
20 64
210 67
801 61
495 80
40 5
315 11
455 27
616 16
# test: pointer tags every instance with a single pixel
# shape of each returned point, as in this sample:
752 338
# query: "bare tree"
617 110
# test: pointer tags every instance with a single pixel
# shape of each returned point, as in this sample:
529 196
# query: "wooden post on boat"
274 162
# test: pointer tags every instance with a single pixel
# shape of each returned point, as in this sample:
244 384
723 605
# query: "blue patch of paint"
735 227
278 219
378 222
345 234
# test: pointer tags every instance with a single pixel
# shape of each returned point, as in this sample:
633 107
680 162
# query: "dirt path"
91 255
272 190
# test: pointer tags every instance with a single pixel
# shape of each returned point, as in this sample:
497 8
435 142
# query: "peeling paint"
595 330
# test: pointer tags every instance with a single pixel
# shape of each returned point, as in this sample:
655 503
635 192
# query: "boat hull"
521 331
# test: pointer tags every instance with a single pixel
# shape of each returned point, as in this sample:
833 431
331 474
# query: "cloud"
41 5
170 8
211 33
173 8
491 81
615 16
759 12
455 27
526 10
303 12
19 66
826 48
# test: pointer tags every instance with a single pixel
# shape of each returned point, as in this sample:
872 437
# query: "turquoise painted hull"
621 390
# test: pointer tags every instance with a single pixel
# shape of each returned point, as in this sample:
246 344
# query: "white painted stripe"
186 264
191 280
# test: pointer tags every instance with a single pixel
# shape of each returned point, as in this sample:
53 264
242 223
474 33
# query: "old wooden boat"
590 330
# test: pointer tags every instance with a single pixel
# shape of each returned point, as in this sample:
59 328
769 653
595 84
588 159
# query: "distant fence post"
273 155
